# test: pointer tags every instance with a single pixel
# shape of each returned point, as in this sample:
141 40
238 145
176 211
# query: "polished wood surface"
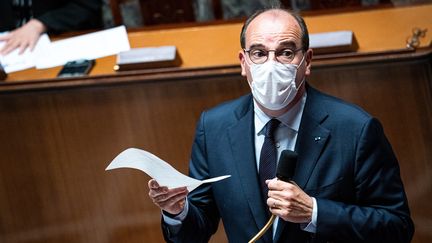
58 135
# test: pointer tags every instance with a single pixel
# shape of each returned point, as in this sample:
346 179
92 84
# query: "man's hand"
289 201
171 201
22 38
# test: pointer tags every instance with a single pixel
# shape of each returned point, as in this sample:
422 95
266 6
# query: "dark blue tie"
268 157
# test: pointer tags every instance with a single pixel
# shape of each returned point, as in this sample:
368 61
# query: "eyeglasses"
260 56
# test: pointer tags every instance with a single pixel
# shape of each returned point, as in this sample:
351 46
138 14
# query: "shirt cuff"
311 226
177 220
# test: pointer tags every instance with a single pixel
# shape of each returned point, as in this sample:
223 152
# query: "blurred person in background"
28 19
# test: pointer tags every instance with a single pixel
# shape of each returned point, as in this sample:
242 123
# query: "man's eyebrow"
289 44
259 46
284 44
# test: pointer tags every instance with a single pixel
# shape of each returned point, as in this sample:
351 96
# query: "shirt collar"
290 119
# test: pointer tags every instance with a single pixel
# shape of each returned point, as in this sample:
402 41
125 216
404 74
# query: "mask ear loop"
301 62
304 78
297 88
248 64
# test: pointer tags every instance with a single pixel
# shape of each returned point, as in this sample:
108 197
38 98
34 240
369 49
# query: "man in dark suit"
28 19
347 181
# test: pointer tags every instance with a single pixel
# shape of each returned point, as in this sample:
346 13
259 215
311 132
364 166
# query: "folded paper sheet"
156 168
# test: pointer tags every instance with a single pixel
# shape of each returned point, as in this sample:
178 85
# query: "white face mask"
273 83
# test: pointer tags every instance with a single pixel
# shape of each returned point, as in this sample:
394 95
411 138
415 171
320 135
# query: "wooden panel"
57 142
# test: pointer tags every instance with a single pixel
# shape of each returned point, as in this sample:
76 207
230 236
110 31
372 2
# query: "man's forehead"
274 18
274 26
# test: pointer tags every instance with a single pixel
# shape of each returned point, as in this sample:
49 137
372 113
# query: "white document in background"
157 169
89 46
329 39
13 61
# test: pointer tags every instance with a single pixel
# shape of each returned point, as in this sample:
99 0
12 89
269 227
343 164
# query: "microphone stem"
263 230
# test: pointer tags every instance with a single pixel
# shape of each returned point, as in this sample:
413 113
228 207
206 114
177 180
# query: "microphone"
287 165
285 172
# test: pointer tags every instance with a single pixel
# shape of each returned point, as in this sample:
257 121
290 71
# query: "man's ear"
242 59
309 55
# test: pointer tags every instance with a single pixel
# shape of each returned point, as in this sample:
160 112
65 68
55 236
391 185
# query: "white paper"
329 39
13 61
157 169
147 54
89 46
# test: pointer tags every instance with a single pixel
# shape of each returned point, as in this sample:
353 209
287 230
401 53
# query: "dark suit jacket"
57 15
345 162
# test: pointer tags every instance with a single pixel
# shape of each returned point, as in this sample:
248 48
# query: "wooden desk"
218 45
58 135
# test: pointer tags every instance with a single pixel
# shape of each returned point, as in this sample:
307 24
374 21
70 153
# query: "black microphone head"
287 165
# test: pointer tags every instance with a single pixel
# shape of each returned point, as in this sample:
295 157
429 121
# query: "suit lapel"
241 137
311 141
312 137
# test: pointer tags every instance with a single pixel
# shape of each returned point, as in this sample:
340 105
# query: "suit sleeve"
203 218
379 212
74 15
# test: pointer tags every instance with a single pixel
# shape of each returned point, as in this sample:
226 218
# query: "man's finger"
22 47
153 184
173 200
163 197
154 192
5 37
32 44
10 46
